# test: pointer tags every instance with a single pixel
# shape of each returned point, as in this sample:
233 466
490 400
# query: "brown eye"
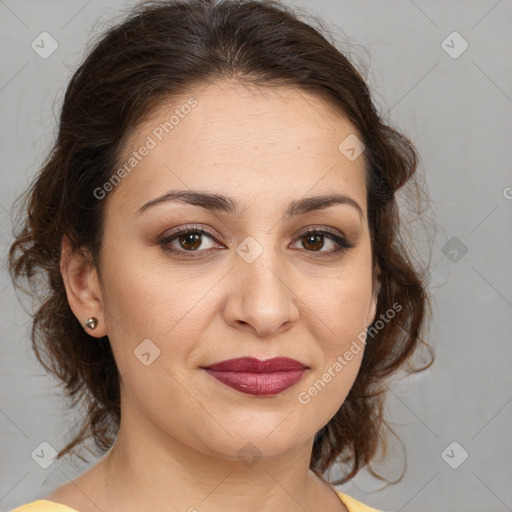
314 241
187 240
191 241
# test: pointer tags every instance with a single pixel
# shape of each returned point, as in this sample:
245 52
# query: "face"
248 279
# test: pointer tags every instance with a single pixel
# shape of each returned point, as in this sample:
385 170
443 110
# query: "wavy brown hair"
162 49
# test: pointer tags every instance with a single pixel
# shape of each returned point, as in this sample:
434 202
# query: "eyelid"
190 227
333 231
302 232
337 236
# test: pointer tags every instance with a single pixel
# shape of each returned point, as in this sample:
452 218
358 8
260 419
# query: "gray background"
458 111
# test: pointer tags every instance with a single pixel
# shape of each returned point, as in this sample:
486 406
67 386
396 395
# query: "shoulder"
43 506
354 505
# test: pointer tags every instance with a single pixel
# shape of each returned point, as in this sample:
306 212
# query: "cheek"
335 368
150 309
338 315
342 304
146 299
159 392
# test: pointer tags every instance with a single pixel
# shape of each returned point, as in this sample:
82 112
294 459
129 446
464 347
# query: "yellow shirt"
50 506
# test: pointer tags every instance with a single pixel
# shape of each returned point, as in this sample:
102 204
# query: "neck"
150 470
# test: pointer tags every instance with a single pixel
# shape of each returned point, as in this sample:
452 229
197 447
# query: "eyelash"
343 243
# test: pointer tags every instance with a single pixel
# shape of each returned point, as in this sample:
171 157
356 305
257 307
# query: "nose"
261 297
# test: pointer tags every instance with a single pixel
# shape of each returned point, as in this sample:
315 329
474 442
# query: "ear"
82 287
375 296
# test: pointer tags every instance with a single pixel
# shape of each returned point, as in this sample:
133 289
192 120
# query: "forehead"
252 142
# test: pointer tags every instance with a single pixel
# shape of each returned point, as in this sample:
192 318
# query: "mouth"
261 378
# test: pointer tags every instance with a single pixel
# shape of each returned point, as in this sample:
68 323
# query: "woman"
218 226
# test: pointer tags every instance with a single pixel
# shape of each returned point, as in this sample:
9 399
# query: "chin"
250 446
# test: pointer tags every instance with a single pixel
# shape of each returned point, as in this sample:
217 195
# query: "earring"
91 323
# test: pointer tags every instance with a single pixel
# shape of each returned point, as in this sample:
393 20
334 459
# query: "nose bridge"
260 259
264 298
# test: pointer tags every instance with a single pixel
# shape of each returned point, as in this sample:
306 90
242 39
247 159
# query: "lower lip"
260 384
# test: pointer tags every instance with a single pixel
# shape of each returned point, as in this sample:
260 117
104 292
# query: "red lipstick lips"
255 377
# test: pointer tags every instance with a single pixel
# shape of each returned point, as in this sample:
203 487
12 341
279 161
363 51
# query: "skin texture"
181 429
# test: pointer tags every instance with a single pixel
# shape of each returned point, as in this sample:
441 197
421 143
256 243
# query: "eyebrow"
221 203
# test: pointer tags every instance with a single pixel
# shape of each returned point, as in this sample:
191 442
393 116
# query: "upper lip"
253 365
